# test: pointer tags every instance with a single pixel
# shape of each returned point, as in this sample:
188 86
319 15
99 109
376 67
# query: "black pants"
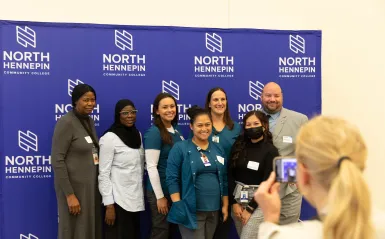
224 228
126 226
161 228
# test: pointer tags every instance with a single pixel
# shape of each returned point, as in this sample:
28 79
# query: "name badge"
205 160
244 196
253 165
216 139
95 155
88 139
96 158
221 160
287 139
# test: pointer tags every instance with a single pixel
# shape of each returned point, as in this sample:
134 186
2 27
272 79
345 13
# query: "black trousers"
224 228
126 226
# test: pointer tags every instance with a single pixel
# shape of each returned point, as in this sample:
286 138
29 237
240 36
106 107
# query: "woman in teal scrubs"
197 180
158 140
225 132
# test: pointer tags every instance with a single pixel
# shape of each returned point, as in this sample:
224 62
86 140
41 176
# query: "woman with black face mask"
251 163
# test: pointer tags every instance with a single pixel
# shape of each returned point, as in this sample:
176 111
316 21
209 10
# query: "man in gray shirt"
284 125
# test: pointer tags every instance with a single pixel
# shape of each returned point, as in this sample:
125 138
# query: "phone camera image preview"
286 170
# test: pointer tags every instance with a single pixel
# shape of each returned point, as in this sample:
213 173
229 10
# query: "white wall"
353 65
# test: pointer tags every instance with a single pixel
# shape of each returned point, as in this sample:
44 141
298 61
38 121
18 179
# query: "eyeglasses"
131 112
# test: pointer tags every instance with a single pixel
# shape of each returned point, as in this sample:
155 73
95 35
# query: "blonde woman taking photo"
331 156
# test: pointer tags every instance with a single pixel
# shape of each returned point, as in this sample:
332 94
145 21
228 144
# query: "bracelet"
250 209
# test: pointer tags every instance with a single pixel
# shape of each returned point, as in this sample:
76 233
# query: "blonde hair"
320 144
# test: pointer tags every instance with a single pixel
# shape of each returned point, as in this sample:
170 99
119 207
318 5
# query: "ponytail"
335 154
349 207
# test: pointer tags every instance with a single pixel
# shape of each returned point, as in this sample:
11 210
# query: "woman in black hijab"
121 173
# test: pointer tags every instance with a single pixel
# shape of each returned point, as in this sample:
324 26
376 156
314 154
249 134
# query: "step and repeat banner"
42 62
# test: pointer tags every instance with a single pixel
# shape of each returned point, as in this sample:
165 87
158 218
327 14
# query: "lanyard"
88 129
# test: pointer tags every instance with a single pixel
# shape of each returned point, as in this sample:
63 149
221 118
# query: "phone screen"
286 170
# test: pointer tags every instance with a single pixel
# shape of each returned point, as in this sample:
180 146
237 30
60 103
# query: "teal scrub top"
153 140
207 184
226 137
182 170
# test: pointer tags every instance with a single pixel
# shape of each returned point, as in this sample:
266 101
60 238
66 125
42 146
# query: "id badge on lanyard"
215 139
205 160
244 195
95 155
180 135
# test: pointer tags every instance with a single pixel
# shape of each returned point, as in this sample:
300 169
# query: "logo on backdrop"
172 88
255 89
297 44
26 37
29 236
72 84
122 63
255 92
301 65
28 163
213 42
215 64
27 141
62 109
124 40
24 58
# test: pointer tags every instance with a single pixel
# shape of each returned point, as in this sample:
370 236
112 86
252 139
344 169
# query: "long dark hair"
166 137
241 141
227 118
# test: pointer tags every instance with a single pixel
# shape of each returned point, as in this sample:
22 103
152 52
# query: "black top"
261 152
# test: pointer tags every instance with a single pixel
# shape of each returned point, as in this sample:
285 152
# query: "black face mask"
254 133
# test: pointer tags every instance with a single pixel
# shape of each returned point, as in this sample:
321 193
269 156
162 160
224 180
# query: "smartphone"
285 169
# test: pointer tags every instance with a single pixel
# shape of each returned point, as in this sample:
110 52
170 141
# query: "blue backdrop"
42 62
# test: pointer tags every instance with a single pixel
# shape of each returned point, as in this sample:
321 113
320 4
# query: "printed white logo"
72 84
255 89
124 40
27 140
27 166
213 42
297 44
29 61
255 92
171 88
29 236
299 66
124 63
26 36
214 65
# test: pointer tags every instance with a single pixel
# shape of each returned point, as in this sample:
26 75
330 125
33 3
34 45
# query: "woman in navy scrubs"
197 180
158 140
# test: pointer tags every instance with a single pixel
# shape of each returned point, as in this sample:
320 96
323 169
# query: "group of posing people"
197 185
